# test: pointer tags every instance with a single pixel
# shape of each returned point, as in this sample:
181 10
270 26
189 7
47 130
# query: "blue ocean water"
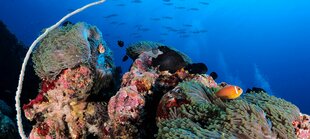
260 43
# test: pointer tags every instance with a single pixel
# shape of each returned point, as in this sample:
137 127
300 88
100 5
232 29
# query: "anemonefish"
229 92
101 49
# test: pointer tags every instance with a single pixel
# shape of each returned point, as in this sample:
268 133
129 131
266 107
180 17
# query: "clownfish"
229 92
101 49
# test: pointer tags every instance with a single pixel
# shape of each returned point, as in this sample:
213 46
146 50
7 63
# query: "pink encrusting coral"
126 105
302 126
65 107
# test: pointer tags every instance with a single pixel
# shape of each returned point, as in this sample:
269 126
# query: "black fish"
113 22
170 60
120 4
122 23
155 19
120 43
118 69
144 29
111 15
180 8
193 9
204 3
187 25
167 17
67 23
213 75
184 36
136 1
125 58
255 89
196 68
168 4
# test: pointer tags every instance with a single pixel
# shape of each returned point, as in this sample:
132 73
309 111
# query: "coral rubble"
158 97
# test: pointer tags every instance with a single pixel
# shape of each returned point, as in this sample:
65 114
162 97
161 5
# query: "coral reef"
72 73
159 97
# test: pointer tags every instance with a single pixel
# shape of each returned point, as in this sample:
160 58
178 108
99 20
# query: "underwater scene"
143 69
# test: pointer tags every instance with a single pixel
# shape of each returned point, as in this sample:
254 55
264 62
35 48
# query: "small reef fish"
204 3
101 49
193 9
180 8
168 4
196 68
155 19
120 5
120 43
214 75
136 1
111 15
187 25
125 58
144 29
67 23
167 17
229 92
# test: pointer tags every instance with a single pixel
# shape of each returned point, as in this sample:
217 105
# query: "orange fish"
229 92
101 49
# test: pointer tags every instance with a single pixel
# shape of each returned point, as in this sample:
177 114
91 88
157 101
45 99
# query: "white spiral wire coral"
22 73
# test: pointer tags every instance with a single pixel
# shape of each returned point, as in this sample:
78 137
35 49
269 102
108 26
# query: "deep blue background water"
263 43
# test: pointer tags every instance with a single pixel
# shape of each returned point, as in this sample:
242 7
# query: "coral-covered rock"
63 110
126 105
74 64
135 49
302 126
69 46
